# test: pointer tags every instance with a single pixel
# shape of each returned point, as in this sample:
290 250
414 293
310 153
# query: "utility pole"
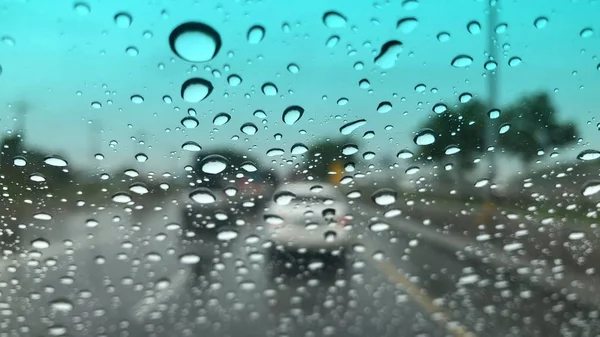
492 84
21 119
492 92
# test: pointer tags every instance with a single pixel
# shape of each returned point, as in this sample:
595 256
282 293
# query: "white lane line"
145 306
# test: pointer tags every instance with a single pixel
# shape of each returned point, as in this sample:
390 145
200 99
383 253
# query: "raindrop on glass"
407 25
269 89
255 34
195 90
214 164
334 20
249 128
123 20
292 114
203 196
189 122
424 137
462 61
195 42
384 197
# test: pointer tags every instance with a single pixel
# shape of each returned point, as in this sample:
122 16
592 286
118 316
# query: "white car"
308 217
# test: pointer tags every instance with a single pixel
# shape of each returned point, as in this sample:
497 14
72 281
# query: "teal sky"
58 52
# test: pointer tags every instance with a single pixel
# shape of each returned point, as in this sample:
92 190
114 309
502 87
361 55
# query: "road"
131 275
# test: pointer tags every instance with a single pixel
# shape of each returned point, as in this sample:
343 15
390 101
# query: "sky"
59 58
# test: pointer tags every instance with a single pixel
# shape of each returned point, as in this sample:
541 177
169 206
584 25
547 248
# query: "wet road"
131 275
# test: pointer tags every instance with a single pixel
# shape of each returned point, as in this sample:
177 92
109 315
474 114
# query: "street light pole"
492 84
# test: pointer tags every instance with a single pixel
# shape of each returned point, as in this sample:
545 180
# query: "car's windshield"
299 168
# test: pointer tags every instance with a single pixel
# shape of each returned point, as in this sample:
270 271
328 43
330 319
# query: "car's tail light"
343 221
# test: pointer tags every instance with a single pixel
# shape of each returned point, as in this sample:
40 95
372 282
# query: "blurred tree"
461 130
533 127
235 160
326 157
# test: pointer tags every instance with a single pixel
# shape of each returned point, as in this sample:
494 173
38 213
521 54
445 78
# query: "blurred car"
308 218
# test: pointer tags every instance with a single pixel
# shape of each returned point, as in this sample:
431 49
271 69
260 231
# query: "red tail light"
343 221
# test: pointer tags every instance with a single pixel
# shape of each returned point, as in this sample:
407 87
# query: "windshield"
299 168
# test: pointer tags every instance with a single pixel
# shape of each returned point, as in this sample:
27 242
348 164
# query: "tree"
326 156
235 161
534 126
461 130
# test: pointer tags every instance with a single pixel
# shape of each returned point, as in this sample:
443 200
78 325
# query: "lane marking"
418 296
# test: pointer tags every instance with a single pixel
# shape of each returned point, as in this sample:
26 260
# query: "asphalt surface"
128 276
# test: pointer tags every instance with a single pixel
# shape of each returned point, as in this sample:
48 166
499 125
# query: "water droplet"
443 37
121 198
332 41
501 28
490 65
586 33
348 128
139 188
293 68
40 243
131 173
342 101
55 161
451 149
57 330
221 119
195 90
190 122
249 129
465 97
410 5
96 105
255 34
249 166
384 197
349 149
123 20
195 42
19 161
590 188
214 164
481 183
132 51
137 99
588 155
440 108
407 25
364 84
412 170
203 196
82 8
540 22
494 113
189 258
474 27
167 99
269 89
514 61
298 148
191 146
379 226
330 236
284 197
368 135
275 152
404 154
42 216
390 52
260 114
141 157
504 128
576 235
234 80
292 114
61 305
384 107
334 20
227 235
424 137
462 61
91 223
37 177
